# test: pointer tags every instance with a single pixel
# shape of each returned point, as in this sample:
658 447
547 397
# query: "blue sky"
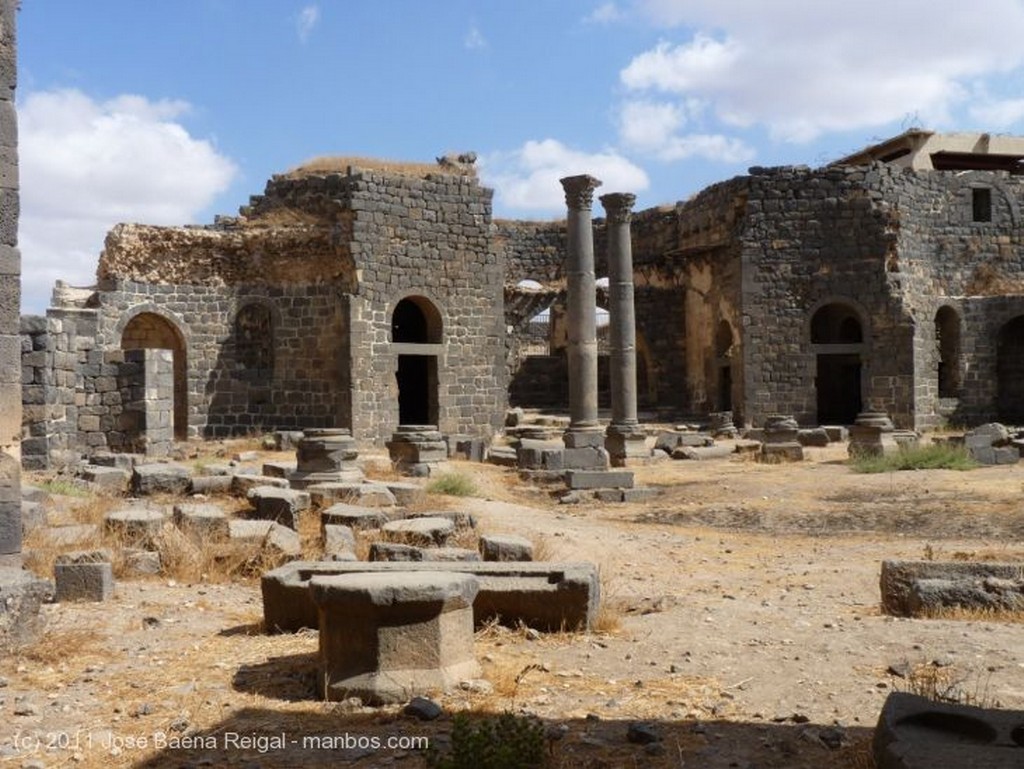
172 112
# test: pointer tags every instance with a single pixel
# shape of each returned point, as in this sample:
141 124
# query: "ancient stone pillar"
10 293
584 430
624 438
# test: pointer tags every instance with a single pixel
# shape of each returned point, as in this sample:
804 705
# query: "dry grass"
343 165
947 684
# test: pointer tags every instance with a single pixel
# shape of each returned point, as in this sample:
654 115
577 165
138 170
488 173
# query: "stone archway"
150 331
416 328
837 338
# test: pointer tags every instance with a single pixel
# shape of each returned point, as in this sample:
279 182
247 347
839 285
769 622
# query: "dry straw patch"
342 164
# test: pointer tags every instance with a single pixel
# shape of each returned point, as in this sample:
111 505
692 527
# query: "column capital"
618 206
579 191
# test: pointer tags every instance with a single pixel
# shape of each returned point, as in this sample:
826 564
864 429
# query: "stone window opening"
254 342
981 204
150 331
947 340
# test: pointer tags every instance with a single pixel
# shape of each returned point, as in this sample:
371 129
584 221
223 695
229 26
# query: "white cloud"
606 13
87 165
307 20
527 179
475 39
802 69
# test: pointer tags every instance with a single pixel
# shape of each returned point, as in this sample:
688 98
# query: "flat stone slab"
358 518
702 453
242 484
406 493
422 532
499 547
135 526
542 595
915 588
599 479
461 520
270 503
211 484
365 494
391 589
202 520
278 469
266 534
338 539
161 478
111 478
75 535
914 732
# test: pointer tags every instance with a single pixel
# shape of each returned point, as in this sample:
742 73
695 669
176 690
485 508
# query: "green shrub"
64 488
452 484
507 741
935 456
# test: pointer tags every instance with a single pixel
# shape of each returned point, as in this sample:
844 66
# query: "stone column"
10 293
625 438
584 429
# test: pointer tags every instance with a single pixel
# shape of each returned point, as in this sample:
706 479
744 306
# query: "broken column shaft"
584 429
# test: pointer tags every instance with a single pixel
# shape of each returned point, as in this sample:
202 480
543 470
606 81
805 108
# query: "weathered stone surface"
449 554
338 539
83 576
915 732
504 456
386 636
211 484
161 478
357 518
406 493
429 531
668 440
543 595
459 518
278 469
242 484
76 535
135 526
366 494
110 478
267 534
599 479
498 547
815 436
394 551
270 503
203 520
21 595
700 453
913 588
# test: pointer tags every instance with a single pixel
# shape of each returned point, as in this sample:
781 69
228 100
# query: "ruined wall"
948 257
10 291
812 238
428 239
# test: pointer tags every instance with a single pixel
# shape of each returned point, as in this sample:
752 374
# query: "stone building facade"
379 295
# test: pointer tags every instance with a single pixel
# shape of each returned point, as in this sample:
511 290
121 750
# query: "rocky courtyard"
740 628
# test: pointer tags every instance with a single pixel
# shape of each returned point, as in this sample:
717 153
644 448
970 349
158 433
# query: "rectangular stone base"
625 495
542 595
21 595
599 479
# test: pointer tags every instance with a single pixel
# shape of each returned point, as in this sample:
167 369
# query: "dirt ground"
749 635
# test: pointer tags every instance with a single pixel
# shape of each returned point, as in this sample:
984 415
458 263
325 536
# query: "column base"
583 437
627 445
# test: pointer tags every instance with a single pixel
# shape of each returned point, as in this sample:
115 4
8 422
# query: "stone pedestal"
781 443
872 434
627 445
21 595
416 449
325 455
721 424
386 637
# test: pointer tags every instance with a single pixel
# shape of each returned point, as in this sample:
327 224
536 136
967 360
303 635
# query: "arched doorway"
1010 372
149 331
837 338
416 323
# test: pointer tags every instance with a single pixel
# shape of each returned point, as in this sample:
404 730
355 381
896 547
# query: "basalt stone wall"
10 291
814 238
428 240
951 255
